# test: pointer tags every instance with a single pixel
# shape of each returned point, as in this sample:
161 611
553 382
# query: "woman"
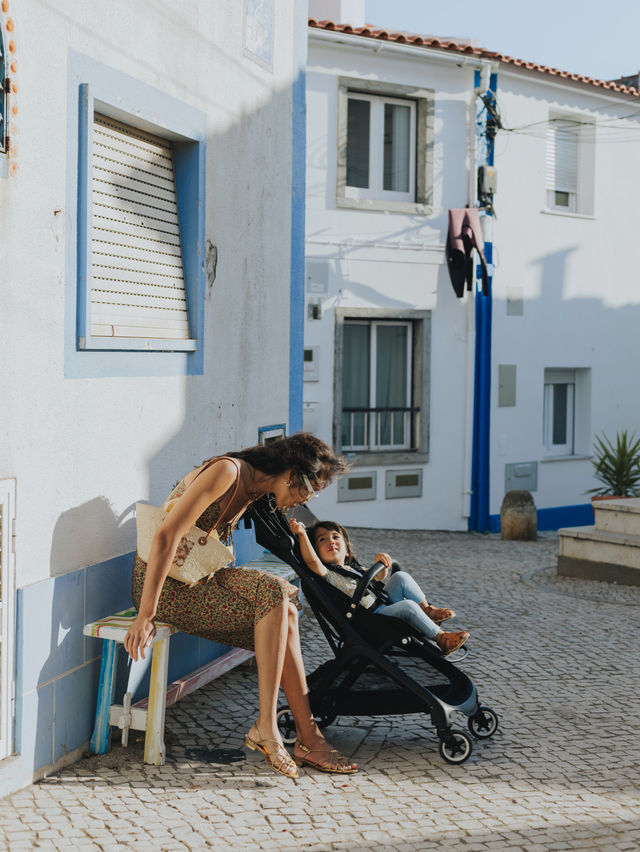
243 607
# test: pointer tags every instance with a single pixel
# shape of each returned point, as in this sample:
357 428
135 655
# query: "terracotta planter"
596 497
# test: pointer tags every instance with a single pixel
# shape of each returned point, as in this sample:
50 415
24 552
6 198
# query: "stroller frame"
365 644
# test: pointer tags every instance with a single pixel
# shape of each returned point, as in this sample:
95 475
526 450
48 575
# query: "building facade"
445 401
148 300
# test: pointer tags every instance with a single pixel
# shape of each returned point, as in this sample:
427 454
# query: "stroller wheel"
323 720
286 726
484 723
457 746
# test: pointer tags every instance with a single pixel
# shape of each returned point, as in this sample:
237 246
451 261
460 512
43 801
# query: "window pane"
358 125
397 147
391 381
559 429
355 383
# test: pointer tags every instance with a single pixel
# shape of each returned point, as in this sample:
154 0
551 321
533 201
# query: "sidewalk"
556 659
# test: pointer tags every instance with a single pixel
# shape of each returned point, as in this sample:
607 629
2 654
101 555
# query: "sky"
587 37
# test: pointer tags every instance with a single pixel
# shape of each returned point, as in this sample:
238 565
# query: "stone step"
621 515
599 555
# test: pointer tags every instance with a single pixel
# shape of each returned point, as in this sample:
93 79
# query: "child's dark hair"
334 526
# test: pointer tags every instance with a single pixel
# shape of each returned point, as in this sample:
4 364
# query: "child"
327 544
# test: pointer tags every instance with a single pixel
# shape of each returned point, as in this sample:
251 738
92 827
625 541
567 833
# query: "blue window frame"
96 90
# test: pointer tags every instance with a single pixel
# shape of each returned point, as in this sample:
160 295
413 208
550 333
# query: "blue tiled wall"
57 668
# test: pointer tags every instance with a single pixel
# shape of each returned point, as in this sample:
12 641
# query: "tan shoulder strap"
233 494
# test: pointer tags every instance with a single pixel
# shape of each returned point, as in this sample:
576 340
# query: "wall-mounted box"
521 476
266 434
317 276
310 417
357 486
311 373
506 385
403 483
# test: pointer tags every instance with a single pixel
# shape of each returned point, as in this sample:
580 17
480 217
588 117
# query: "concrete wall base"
606 572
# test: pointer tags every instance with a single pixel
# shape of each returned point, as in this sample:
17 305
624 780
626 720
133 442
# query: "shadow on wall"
96 520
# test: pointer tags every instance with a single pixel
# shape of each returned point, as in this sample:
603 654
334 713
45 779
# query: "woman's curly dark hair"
303 454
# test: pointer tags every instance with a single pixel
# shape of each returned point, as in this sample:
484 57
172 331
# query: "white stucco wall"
84 450
579 289
393 260
581 298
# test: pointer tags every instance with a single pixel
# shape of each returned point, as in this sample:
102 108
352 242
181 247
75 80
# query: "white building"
396 131
148 300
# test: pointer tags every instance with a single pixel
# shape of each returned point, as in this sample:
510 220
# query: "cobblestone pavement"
556 658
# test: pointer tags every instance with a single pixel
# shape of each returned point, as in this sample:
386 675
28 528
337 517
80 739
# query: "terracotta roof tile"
468 48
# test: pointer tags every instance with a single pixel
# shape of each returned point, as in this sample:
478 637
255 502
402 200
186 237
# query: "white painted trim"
7 615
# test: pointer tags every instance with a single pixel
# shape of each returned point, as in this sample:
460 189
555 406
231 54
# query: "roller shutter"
137 274
562 156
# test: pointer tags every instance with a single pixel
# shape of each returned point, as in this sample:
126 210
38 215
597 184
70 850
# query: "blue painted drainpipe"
480 458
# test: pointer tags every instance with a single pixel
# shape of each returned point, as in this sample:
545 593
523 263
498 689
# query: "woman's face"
330 546
288 492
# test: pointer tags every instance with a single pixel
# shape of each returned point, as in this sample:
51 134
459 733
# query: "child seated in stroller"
326 547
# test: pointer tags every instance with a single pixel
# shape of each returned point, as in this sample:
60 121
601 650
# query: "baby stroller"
381 665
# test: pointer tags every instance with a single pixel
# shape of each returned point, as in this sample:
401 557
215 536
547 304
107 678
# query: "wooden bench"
148 714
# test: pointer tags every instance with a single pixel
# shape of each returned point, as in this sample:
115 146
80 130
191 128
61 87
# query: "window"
381 137
562 164
570 161
384 146
135 268
566 412
381 393
137 287
7 627
559 407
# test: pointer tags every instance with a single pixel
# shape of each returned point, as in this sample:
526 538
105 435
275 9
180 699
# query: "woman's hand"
296 527
139 636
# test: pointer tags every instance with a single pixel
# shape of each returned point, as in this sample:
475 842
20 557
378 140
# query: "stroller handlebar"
363 583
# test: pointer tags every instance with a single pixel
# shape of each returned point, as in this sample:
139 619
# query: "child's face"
330 546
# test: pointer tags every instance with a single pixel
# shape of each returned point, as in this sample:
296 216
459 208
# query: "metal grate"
137 275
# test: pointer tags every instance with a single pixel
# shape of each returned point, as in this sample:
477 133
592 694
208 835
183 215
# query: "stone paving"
556 659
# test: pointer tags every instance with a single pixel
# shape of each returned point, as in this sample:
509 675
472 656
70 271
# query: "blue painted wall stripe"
555 517
298 177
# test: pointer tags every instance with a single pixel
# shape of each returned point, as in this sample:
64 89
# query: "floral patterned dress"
226 607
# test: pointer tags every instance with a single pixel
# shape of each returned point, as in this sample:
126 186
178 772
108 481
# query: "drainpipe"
480 453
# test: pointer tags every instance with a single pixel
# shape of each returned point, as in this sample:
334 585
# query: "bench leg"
101 737
154 751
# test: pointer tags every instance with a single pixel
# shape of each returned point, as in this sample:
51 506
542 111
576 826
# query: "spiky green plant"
617 466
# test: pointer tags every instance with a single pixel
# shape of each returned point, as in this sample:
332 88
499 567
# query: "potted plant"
617 466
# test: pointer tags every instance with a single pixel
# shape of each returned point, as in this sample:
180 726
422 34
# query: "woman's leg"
270 644
294 684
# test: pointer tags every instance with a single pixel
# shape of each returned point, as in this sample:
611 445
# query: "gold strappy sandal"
334 759
279 760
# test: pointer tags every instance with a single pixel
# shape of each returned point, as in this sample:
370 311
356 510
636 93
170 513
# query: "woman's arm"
206 489
308 553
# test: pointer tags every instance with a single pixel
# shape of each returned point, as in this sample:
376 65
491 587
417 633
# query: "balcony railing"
381 428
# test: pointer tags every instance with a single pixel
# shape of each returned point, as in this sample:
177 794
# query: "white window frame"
420 198
376 190
554 377
7 615
577 169
373 422
419 397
